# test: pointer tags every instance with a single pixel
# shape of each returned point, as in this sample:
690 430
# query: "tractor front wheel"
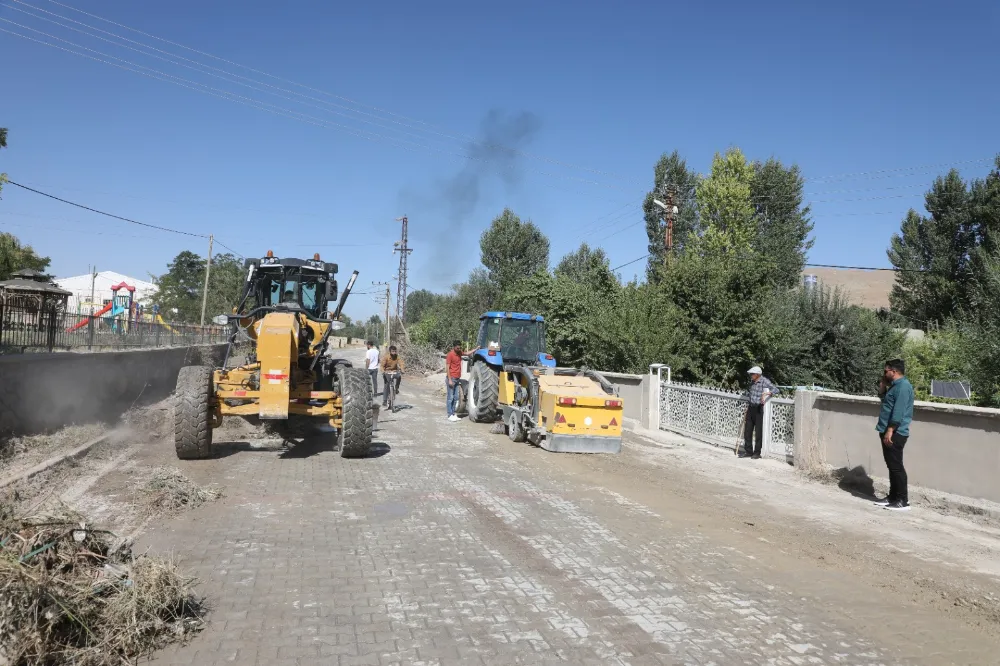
193 413
515 429
357 417
484 392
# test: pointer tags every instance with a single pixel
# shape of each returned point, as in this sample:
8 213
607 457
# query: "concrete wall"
952 448
634 392
40 392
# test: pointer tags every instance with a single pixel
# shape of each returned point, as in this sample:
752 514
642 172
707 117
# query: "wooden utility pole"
93 279
208 270
669 208
378 299
669 232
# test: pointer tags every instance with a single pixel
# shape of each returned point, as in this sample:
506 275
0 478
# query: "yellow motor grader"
281 372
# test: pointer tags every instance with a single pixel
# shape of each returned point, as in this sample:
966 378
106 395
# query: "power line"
426 127
629 263
868 268
101 212
265 106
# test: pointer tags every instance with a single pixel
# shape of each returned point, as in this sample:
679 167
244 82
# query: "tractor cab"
513 337
304 285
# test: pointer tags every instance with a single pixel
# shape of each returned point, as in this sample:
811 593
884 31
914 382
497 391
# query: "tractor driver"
519 347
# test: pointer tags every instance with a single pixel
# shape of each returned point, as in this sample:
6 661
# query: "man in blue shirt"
894 430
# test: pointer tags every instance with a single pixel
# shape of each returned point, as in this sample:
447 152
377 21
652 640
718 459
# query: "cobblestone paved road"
454 546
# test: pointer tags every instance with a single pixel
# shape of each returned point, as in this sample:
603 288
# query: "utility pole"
404 250
669 211
93 279
378 299
208 270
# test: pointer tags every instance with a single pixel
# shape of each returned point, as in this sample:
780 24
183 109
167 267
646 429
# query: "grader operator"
277 367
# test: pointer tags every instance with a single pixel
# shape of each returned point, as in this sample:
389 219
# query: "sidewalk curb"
55 460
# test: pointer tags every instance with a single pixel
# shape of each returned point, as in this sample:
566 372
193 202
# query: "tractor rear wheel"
193 413
357 417
484 392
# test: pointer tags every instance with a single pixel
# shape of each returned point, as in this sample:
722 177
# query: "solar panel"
953 390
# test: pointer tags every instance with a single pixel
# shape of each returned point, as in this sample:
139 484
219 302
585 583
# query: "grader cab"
277 368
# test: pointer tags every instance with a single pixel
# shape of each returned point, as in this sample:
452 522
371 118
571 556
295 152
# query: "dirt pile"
73 594
167 491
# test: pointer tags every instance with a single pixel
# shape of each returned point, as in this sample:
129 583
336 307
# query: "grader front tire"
358 417
193 413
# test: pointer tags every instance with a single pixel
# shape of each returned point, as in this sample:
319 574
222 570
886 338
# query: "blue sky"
600 90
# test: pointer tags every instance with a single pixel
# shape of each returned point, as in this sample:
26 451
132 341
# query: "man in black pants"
894 430
761 390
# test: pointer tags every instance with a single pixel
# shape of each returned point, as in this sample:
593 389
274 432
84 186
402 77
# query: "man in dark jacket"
894 430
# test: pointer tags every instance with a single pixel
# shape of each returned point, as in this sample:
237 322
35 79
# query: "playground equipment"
559 409
117 306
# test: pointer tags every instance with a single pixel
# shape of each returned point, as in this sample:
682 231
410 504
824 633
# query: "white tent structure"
79 287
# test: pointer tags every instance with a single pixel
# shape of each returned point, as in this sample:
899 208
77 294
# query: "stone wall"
634 392
40 392
952 448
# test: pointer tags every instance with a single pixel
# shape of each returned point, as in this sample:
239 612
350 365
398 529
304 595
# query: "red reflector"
239 393
612 403
491 352
614 421
567 401
548 357
560 418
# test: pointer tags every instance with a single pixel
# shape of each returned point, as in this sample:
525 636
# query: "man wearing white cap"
762 389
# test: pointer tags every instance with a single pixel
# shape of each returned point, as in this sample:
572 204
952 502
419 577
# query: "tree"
670 174
418 302
511 250
783 224
933 254
724 204
182 286
15 256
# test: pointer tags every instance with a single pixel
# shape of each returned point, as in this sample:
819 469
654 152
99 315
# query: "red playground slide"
83 321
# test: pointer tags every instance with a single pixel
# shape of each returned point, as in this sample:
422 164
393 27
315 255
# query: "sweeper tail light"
567 401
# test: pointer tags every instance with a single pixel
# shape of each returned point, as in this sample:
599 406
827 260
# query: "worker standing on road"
371 362
894 430
392 362
453 377
762 389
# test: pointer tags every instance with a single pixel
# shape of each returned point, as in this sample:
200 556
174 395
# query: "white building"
80 287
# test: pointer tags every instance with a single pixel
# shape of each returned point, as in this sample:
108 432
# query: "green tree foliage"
417 303
671 174
933 255
181 287
783 223
728 298
512 249
15 256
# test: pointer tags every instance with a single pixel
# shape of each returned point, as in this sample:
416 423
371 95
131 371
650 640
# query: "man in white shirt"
371 362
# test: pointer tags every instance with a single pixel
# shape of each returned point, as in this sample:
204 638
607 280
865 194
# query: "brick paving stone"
444 551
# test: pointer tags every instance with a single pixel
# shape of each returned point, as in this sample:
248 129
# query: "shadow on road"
855 480
226 449
293 448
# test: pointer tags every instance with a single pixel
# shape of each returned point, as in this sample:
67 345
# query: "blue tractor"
504 337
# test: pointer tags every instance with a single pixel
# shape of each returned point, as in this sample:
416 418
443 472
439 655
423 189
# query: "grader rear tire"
358 417
484 394
193 413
